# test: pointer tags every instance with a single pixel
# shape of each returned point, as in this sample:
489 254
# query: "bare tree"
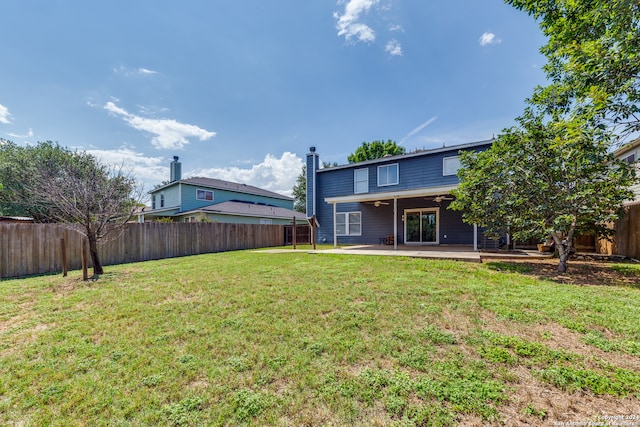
86 195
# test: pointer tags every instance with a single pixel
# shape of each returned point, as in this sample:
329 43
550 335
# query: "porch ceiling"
390 195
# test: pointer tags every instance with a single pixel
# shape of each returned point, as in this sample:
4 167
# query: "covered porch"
404 220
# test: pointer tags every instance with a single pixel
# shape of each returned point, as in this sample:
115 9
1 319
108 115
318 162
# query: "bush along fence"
28 249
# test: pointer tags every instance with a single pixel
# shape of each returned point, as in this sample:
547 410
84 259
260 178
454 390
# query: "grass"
250 338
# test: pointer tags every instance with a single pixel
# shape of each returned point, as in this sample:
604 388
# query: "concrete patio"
451 252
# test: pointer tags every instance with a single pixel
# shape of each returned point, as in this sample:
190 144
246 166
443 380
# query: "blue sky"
241 89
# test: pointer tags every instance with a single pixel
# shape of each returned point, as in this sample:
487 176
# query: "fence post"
63 249
295 238
313 231
85 274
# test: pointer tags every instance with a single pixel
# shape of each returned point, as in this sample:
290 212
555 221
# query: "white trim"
388 195
428 210
397 181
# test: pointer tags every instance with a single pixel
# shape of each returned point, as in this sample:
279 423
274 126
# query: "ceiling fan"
439 199
378 203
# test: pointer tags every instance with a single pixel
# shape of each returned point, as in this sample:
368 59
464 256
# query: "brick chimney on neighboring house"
313 164
176 170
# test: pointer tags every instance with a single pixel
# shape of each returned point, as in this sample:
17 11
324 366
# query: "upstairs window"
630 159
204 195
450 165
387 175
361 181
153 202
161 200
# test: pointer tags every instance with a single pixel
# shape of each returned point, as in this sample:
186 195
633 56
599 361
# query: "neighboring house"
395 200
630 153
207 199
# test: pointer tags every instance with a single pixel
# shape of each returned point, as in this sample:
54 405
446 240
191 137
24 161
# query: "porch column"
395 223
475 237
335 227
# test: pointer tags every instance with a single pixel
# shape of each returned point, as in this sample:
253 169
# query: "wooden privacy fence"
627 238
27 249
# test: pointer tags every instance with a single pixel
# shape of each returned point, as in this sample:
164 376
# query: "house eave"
390 195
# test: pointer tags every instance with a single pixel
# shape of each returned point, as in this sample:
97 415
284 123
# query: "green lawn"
311 339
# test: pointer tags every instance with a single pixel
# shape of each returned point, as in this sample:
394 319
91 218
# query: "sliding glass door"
421 226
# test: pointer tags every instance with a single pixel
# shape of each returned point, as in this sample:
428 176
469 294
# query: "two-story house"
215 200
399 199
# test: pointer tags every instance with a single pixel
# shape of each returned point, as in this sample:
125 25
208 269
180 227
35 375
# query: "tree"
300 191
19 168
375 150
73 188
542 179
593 53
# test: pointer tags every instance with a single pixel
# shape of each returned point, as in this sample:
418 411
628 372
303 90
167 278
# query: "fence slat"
27 249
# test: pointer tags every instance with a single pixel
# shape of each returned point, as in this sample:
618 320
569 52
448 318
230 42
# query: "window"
153 201
630 159
348 224
450 165
387 175
204 195
161 200
361 181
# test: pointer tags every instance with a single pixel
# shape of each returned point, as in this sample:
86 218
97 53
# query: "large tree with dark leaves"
375 150
545 179
593 53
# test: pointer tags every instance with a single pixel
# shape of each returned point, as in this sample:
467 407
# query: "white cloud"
146 71
273 174
4 115
393 48
127 72
148 170
396 27
489 39
169 134
418 129
349 24
27 135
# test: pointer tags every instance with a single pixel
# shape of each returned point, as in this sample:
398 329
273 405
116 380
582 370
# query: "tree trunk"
93 251
563 252
562 265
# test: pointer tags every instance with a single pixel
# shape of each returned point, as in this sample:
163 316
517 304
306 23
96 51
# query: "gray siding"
414 173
